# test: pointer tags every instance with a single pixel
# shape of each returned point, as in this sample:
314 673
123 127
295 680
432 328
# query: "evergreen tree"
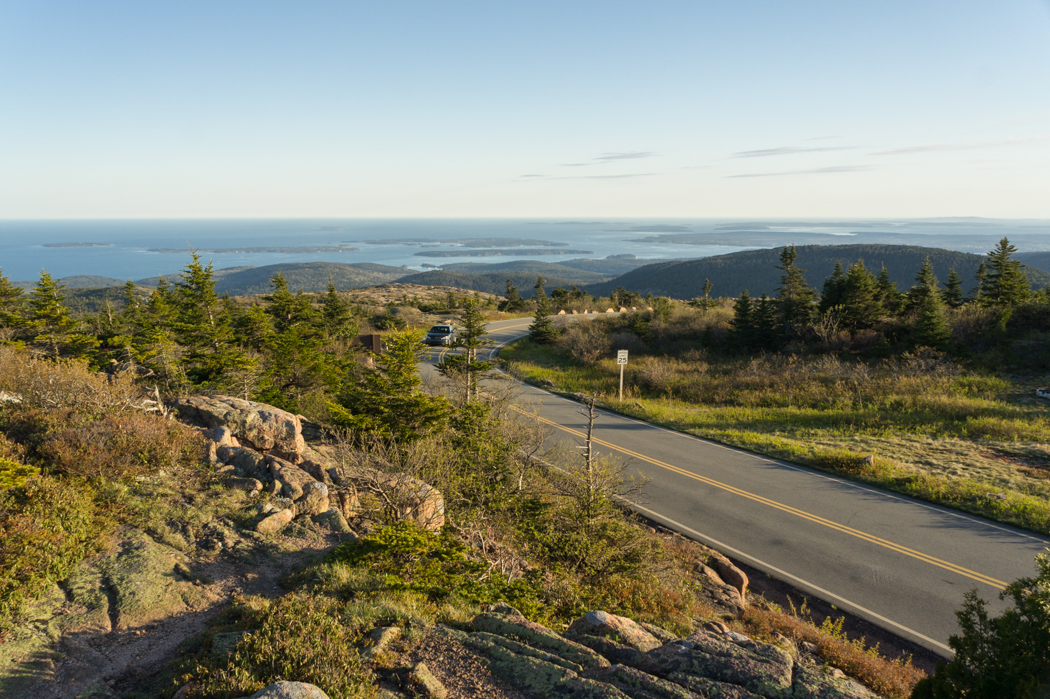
861 307
512 301
11 304
931 327
926 284
707 294
337 316
389 399
742 327
1005 283
542 329
888 294
999 656
795 295
49 318
132 313
471 337
287 309
253 327
979 276
202 327
832 293
766 325
953 291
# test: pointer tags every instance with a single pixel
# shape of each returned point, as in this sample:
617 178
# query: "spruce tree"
253 328
931 327
742 327
707 293
202 327
336 314
953 291
512 301
286 308
471 337
389 399
1005 283
926 284
795 295
888 294
542 329
834 287
861 307
979 276
766 325
12 304
49 318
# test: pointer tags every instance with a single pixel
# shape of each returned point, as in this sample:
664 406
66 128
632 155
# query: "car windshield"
441 329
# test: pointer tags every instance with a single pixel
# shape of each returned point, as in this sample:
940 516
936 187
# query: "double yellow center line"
926 558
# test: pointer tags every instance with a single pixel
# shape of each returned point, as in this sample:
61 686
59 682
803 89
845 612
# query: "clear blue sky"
491 109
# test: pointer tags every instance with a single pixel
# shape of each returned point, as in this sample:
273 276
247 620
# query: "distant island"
299 249
81 245
498 253
467 242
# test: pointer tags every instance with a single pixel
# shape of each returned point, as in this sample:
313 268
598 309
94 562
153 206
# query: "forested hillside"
756 271
1039 260
492 283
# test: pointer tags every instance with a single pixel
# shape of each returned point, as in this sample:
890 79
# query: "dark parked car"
440 335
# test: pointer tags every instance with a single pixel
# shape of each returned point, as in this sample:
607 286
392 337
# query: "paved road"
900 563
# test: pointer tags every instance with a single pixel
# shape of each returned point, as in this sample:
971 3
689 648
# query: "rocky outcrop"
262 427
604 656
289 690
259 448
617 628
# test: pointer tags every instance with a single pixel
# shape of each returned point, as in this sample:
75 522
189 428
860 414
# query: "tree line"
184 337
854 299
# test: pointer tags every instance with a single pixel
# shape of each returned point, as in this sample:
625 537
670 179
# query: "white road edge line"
864 611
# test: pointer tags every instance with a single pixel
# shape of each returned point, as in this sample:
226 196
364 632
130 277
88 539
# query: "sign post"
621 359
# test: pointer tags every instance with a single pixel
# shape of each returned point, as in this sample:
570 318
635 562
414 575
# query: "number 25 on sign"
621 359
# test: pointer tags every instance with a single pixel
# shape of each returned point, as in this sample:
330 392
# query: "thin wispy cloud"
606 158
602 177
940 147
766 152
631 155
815 171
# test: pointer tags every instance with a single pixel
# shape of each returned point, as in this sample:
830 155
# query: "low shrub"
47 526
299 638
118 445
14 474
70 383
889 678
437 566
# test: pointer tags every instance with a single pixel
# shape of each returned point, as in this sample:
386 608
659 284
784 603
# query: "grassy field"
938 432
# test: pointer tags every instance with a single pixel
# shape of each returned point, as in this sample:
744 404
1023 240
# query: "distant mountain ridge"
755 270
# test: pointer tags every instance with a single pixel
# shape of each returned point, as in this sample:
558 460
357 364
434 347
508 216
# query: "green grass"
938 433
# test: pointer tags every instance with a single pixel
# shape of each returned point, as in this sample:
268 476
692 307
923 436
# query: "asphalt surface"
902 564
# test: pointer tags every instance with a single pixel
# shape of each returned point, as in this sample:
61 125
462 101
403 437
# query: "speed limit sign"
621 356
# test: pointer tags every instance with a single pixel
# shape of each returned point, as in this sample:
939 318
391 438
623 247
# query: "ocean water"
128 253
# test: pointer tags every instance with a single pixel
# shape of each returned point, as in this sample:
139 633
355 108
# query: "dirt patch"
462 673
